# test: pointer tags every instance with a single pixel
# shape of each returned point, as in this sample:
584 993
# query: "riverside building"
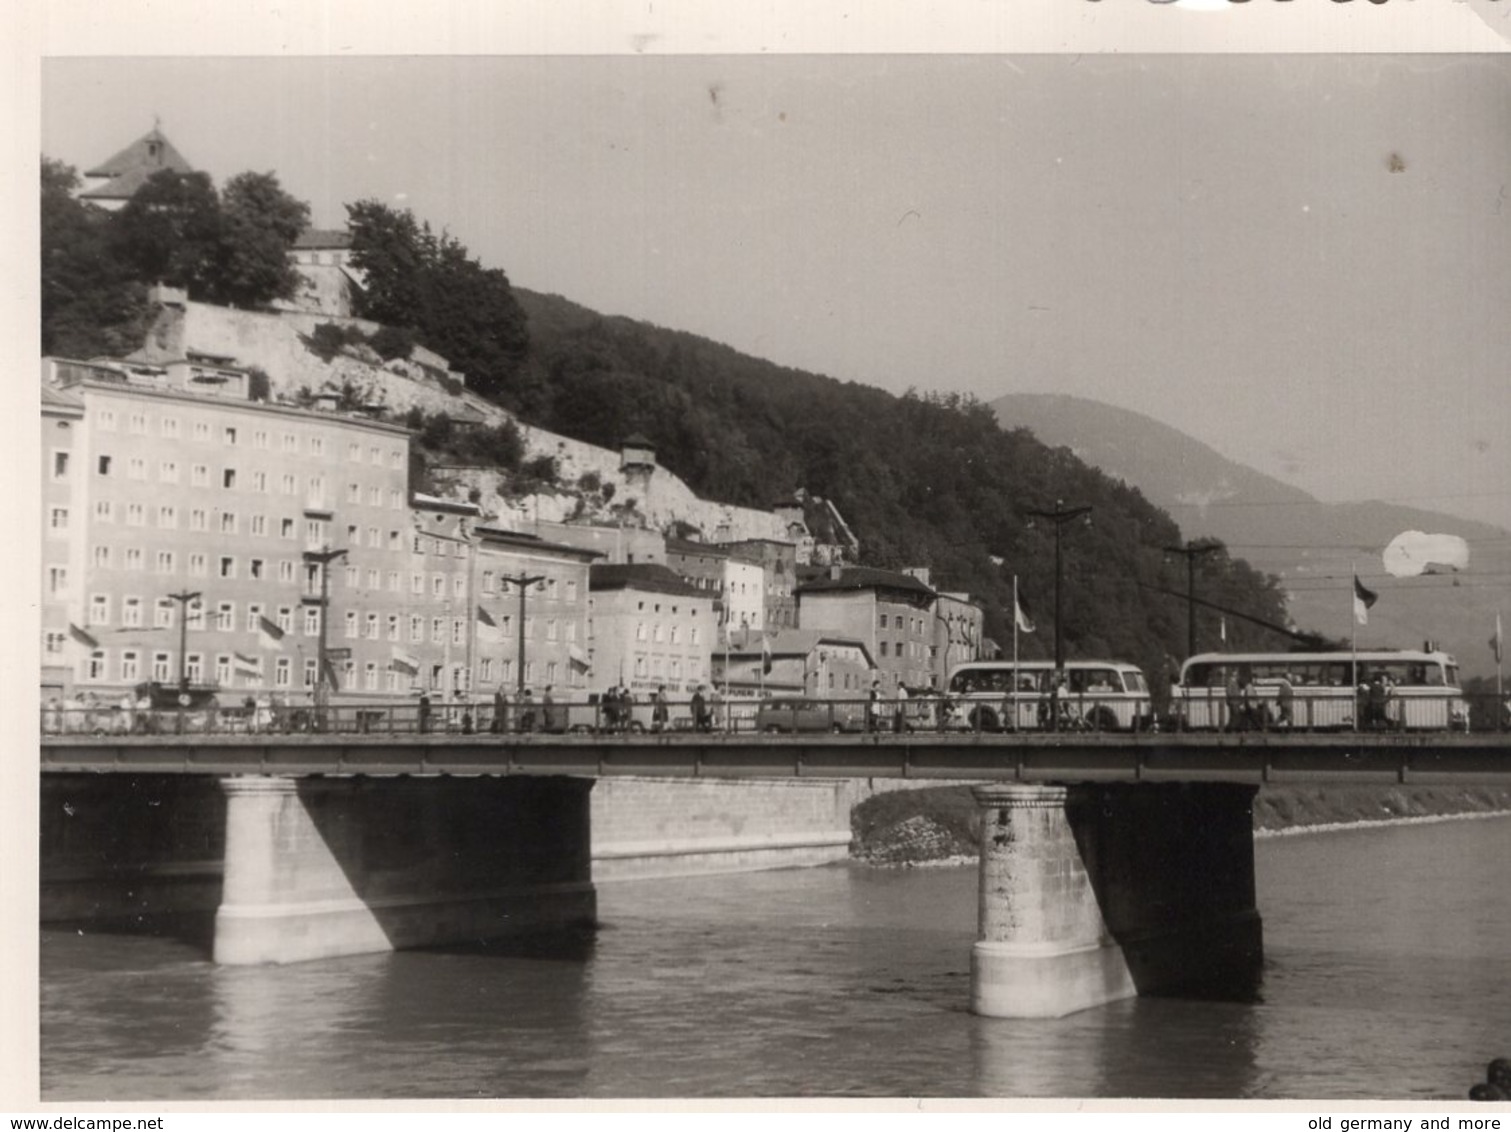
200 526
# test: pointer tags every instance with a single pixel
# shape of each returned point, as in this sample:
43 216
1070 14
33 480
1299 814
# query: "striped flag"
765 655
403 662
1020 619
246 665
1496 641
81 637
269 635
1363 599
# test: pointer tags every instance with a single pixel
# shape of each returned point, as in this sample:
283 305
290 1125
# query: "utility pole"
1059 517
1192 551
323 558
183 600
524 582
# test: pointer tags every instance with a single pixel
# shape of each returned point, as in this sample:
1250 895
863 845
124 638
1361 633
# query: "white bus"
1101 695
1374 689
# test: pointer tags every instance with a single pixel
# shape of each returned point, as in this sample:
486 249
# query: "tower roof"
129 169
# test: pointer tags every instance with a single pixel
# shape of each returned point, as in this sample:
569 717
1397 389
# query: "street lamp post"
524 582
1192 551
183 600
1059 517
323 558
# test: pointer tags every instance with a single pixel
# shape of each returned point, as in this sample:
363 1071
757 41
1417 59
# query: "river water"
1388 976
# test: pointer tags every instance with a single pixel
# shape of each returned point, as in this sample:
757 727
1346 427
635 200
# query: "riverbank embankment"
942 823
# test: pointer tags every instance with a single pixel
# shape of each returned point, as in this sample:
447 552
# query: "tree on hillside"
417 279
259 223
91 304
170 232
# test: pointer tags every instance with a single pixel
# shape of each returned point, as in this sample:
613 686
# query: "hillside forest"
924 479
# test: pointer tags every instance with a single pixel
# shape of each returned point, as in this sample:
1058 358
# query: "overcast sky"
1302 261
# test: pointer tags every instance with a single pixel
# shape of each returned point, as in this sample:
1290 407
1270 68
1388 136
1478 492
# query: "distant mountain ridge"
1312 546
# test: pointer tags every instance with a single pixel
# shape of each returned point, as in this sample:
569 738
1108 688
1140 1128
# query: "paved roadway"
1425 759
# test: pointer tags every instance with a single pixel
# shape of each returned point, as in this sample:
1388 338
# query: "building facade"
778 561
650 627
204 524
533 604
62 558
892 614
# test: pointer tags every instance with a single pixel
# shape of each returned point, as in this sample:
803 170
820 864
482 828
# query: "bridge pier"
1092 893
318 867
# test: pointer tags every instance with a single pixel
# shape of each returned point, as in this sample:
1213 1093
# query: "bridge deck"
1248 758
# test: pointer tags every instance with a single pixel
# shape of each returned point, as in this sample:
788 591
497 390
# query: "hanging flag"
403 662
1363 599
766 655
246 665
269 635
1222 628
487 627
1495 641
1020 619
83 638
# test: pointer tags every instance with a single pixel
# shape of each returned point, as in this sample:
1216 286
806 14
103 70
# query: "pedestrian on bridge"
500 721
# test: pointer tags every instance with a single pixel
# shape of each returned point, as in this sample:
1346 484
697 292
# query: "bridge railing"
783 715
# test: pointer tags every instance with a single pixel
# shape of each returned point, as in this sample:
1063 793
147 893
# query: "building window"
104 511
136 515
131 612
202 431
374 579
290 442
95 668
225 616
199 475
286 618
351 622
104 465
255 567
260 439
260 482
286 570
59 465
194 667
438 585
164 564
281 672
199 565
417 584
163 613
370 627
571 589
394 627
228 477
315 493
394 580
199 519
167 471
57 520
437 629
416 628
311 621
228 522
99 609
168 426
134 558
309 673
167 515
254 616
102 558
488 587
194 614
370 676
160 666
458 631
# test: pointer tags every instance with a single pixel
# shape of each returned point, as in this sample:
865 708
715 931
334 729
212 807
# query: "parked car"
799 713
